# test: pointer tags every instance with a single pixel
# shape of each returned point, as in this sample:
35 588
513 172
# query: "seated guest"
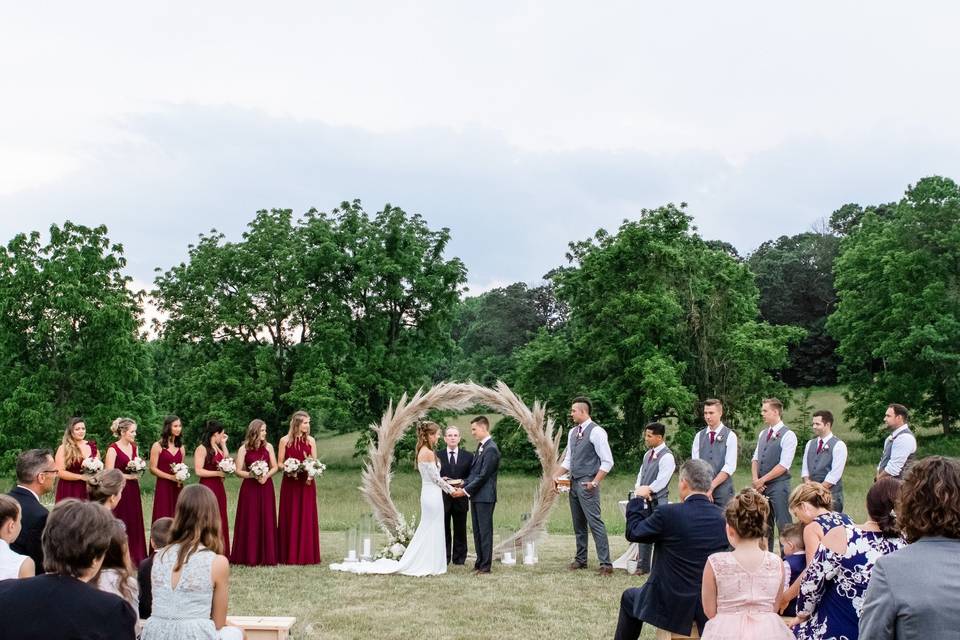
12 564
197 608
685 534
741 587
913 592
794 560
36 475
106 487
833 584
159 537
116 575
62 604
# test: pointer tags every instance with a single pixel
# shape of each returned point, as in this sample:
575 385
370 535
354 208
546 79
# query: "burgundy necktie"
650 457
819 445
769 434
712 437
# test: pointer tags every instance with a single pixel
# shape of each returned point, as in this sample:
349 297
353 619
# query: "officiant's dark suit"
481 487
455 509
683 534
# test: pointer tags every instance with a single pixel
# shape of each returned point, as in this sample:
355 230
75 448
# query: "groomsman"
653 481
717 444
825 457
771 463
900 446
455 464
588 460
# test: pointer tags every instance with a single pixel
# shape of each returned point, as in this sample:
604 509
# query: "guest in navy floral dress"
833 585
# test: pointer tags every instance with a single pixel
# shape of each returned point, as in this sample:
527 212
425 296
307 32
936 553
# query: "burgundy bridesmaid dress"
75 488
298 526
255 527
130 509
216 485
167 491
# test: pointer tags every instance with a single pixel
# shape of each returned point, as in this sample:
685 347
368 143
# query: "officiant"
455 465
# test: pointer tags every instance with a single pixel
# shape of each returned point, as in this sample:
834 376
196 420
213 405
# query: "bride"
426 555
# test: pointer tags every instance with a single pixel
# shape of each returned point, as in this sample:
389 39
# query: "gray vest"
819 465
584 461
769 454
648 473
716 453
888 451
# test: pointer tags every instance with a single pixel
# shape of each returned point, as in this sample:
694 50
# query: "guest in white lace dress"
190 577
12 564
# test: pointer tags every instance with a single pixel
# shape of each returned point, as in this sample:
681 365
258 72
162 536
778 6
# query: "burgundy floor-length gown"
255 528
297 525
216 485
75 488
167 491
130 510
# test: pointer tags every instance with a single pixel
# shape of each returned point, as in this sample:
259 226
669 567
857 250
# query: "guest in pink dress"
298 525
741 587
255 527
73 449
206 460
163 455
130 509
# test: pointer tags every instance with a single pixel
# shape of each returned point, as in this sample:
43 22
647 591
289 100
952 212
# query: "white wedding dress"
427 554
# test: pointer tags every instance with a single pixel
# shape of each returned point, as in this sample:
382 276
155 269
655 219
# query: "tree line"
340 312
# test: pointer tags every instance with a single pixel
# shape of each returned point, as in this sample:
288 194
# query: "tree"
898 317
68 338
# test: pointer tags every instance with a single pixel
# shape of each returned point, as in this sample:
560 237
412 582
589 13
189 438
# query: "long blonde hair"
71 450
295 421
424 431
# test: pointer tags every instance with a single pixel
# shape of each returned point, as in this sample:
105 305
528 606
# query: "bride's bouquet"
313 468
137 466
397 541
228 466
91 466
291 467
259 469
180 472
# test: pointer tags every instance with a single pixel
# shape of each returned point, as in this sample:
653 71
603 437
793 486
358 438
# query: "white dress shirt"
903 446
664 472
598 438
788 444
838 455
730 459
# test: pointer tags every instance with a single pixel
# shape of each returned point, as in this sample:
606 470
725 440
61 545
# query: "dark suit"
82 612
455 509
34 517
684 535
481 486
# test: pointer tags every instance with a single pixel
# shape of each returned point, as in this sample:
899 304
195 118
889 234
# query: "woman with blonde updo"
73 449
130 509
741 587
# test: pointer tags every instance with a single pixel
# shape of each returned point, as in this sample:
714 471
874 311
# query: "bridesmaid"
213 449
298 526
163 455
73 449
130 509
255 527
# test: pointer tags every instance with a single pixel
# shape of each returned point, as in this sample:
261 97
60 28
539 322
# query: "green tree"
69 341
898 316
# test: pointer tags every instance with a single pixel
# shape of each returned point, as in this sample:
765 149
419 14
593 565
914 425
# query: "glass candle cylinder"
351 545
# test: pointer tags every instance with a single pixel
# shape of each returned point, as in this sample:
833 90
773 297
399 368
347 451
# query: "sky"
521 126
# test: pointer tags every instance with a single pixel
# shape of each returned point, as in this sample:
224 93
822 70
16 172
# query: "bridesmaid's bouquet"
228 466
91 466
137 466
313 468
180 471
292 466
259 469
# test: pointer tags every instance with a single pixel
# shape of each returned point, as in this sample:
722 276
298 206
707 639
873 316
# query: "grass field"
544 601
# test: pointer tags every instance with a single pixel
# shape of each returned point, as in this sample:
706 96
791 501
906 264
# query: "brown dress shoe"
605 570
573 566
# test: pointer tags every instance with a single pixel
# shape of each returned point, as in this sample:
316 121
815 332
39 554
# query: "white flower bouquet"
291 466
180 471
399 540
313 468
91 466
137 466
228 466
259 469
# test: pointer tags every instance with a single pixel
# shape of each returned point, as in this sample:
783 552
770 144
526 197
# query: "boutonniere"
719 437
825 446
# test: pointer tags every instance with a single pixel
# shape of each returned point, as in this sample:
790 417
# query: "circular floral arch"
460 397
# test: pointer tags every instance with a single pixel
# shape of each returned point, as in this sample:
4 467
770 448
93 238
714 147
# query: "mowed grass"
544 601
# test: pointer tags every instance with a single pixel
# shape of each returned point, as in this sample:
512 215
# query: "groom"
481 488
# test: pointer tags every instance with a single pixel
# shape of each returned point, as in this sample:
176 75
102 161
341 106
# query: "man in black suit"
481 488
455 464
684 535
36 475
74 544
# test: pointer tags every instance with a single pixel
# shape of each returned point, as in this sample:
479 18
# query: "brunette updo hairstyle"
424 431
881 502
747 514
104 485
812 493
